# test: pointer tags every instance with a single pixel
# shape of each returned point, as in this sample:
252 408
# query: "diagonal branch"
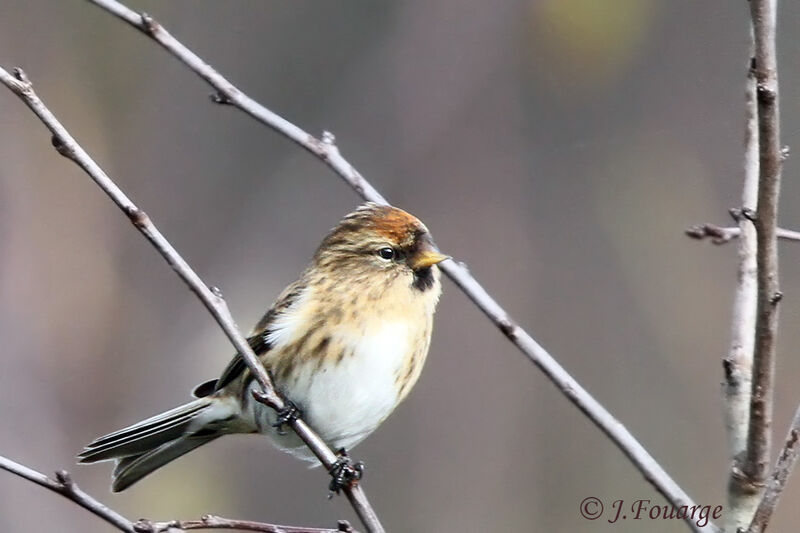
777 482
64 486
325 149
756 462
211 297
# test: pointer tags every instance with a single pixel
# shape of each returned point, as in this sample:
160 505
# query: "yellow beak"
426 258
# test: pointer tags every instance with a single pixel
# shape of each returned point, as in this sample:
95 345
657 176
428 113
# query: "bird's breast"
347 363
350 385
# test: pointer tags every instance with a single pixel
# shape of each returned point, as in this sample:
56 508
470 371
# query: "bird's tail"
144 447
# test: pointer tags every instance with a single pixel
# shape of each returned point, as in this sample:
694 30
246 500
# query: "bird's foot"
287 415
344 472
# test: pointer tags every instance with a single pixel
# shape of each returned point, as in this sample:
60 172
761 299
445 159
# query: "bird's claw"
287 415
344 472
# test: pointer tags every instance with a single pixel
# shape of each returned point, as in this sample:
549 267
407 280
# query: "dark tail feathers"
144 447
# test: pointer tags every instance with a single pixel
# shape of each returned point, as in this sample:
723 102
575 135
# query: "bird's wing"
259 339
205 389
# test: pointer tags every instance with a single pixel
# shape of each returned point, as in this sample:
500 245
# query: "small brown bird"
344 345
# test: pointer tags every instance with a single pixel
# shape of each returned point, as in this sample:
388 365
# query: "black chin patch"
423 279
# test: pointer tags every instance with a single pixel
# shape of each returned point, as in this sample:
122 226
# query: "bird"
344 345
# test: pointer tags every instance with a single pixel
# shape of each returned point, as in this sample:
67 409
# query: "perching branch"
756 463
211 297
325 149
777 482
738 365
64 486
723 235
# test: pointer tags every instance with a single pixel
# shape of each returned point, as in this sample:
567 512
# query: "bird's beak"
426 258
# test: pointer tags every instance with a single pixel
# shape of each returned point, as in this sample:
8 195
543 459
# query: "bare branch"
325 149
756 463
749 367
211 298
226 93
738 365
723 234
64 486
777 482
217 522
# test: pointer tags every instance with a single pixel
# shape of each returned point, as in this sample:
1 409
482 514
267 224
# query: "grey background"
558 147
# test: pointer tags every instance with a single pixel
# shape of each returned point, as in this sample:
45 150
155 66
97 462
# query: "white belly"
346 401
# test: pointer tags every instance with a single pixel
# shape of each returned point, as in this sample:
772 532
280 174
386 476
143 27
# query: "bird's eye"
386 253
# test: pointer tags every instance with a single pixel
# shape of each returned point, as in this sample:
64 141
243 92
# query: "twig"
217 522
783 468
756 463
738 365
326 150
211 297
64 486
723 235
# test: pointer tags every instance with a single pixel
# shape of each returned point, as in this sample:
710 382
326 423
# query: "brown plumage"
345 343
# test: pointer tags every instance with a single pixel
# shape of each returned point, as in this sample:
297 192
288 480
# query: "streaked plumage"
345 343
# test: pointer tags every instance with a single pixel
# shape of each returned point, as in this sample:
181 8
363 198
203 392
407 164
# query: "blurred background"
559 147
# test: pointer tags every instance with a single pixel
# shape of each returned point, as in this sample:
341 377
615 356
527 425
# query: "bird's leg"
344 472
287 415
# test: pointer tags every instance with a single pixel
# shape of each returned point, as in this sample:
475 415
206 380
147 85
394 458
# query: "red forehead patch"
397 225
389 222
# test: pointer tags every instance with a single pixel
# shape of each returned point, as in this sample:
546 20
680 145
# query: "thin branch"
738 365
211 297
724 234
64 486
217 522
783 468
325 149
756 463
226 93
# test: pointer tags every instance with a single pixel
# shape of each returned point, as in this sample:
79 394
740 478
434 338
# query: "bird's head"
384 241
